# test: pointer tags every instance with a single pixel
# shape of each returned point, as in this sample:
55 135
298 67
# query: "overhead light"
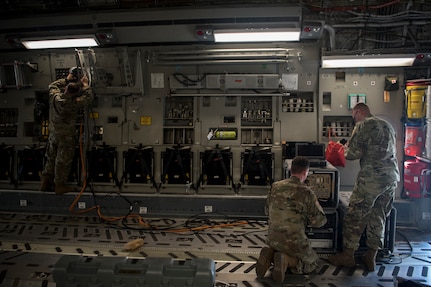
364 61
60 42
257 35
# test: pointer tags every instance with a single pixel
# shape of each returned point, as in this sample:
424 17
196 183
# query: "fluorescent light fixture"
60 42
363 61
257 35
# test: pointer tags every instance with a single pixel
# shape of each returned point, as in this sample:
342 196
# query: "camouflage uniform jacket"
63 110
373 142
291 206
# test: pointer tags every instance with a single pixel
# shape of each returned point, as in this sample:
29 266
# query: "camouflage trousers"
370 204
60 151
299 248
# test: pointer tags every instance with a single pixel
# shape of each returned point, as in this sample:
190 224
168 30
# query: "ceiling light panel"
364 61
257 35
60 42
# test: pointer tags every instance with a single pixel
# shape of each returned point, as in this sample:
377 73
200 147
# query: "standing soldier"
373 142
66 98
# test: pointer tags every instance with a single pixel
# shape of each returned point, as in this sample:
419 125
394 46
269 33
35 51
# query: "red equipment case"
416 178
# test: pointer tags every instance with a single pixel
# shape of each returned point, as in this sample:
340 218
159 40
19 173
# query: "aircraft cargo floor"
31 244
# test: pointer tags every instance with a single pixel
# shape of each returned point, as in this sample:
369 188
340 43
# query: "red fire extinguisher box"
417 180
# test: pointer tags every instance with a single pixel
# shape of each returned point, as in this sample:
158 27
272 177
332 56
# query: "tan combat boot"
369 259
62 188
282 261
266 257
345 258
46 181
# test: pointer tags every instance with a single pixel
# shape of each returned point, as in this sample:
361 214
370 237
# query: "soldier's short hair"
362 107
299 164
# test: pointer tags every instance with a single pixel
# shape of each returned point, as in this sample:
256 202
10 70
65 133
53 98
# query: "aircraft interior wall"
169 100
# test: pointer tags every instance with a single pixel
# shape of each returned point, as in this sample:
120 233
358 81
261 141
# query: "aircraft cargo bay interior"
150 149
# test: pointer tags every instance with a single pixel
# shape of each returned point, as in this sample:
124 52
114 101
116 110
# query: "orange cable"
140 219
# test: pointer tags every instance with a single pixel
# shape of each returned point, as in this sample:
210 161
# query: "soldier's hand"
84 81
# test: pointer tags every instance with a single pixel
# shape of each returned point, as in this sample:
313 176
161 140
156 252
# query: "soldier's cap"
74 71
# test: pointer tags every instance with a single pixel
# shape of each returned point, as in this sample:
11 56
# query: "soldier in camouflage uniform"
66 98
373 142
290 206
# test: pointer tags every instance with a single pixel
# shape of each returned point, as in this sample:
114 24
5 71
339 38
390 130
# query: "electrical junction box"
311 30
215 81
243 81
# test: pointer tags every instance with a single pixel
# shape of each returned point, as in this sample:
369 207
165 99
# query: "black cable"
407 240
192 222
387 258
186 81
